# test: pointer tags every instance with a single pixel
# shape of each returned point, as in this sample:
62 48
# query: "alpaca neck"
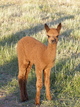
51 51
51 48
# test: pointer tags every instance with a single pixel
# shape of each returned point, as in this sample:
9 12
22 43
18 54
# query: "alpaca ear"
59 27
46 27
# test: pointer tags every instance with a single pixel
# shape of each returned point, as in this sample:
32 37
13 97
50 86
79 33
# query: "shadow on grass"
9 71
62 19
7 5
12 39
63 72
67 33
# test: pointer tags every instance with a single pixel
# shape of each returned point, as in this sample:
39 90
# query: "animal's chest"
49 64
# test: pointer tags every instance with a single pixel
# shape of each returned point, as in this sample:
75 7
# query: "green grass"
19 18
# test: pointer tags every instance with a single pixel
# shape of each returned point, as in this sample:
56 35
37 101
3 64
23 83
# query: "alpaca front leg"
47 83
38 87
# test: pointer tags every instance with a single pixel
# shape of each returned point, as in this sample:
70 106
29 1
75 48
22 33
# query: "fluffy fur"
31 51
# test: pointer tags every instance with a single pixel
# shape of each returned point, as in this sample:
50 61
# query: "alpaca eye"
48 36
57 36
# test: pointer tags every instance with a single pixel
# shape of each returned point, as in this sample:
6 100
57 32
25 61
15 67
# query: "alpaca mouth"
53 41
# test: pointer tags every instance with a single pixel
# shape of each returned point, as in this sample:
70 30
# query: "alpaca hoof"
25 99
49 97
37 103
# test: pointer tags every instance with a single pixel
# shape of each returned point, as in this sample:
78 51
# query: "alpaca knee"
39 85
22 82
21 76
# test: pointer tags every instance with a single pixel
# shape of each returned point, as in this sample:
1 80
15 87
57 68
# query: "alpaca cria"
31 51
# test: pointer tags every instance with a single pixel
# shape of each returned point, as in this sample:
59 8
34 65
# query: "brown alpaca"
31 51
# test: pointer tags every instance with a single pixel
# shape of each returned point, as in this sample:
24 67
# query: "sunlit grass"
19 18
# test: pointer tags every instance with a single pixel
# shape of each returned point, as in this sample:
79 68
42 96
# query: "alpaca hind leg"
28 69
22 83
27 72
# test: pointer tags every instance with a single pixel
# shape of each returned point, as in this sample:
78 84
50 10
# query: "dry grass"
19 18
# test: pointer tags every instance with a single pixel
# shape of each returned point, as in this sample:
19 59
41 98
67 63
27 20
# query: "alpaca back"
31 49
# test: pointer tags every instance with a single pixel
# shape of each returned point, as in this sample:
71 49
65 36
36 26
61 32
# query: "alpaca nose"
53 41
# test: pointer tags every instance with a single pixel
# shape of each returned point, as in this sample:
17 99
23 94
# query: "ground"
19 18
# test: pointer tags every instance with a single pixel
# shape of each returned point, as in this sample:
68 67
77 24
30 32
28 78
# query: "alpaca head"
53 33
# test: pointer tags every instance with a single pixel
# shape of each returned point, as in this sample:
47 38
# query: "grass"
19 18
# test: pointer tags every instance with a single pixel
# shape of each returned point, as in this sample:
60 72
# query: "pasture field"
19 18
